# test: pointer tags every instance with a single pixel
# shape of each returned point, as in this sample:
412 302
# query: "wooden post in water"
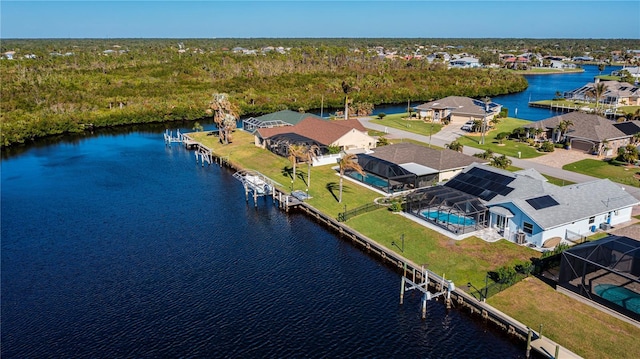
255 198
528 353
424 306
246 193
402 291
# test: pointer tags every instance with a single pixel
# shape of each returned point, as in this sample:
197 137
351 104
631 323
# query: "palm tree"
596 92
347 162
501 162
225 114
295 152
455 146
487 154
562 129
310 154
347 89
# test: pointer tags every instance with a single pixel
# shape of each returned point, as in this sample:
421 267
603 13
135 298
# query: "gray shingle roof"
575 202
460 105
585 126
440 160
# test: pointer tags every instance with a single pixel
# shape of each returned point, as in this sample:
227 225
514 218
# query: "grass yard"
583 329
414 125
602 169
462 261
324 180
508 147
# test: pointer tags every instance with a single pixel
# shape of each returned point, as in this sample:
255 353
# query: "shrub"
381 115
396 206
547 147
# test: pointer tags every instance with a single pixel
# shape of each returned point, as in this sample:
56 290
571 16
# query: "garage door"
581 145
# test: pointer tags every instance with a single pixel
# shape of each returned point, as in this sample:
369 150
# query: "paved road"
451 132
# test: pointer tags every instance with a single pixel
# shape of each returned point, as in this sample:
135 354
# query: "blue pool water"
449 218
620 296
370 179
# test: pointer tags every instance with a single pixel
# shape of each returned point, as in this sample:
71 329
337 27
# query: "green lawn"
602 169
400 121
462 261
581 328
508 147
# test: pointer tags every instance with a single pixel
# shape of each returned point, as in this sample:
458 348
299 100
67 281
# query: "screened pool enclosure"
448 208
606 271
388 176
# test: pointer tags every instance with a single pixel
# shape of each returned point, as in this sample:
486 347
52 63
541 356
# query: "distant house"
458 110
275 119
347 135
465 62
588 132
522 206
616 93
9 55
404 166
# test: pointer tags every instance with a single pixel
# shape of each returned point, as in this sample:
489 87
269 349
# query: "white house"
523 207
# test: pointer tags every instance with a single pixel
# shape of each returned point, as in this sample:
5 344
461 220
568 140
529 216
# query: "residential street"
549 164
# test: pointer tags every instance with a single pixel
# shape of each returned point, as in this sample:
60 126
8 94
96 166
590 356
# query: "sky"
579 19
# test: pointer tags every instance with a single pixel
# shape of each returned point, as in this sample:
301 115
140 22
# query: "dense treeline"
72 84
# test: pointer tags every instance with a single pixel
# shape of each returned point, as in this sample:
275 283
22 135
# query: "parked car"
468 126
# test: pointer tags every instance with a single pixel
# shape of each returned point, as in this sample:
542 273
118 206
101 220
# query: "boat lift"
256 183
444 290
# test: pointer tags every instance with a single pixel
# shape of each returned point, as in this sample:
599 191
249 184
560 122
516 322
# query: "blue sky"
246 19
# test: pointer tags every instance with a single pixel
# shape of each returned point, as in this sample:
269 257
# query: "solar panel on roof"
542 202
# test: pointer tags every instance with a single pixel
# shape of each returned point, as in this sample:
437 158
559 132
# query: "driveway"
561 157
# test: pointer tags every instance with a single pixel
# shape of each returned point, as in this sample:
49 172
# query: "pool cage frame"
451 201
398 179
613 260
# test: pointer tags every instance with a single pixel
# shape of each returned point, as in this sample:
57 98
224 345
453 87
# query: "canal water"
116 245
541 87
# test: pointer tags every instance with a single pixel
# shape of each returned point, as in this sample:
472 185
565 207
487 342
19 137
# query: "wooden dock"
457 298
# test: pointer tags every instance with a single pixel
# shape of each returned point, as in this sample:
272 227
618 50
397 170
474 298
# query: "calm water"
117 246
541 87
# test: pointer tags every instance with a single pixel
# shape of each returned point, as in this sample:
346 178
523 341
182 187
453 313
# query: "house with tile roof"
348 135
275 119
590 133
522 207
458 110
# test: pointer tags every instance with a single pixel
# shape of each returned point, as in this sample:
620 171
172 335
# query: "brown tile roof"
321 131
440 160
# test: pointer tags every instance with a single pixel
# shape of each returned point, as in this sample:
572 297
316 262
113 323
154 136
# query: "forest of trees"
72 84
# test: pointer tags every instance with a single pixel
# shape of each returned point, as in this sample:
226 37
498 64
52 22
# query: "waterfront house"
458 110
346 135
616 94
522 206
589 133
275 119
405 166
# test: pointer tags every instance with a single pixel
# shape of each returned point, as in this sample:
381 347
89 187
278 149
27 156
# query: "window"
527 228
592 220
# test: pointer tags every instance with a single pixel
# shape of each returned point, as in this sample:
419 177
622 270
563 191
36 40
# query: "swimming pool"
450 218
621 296
370 179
